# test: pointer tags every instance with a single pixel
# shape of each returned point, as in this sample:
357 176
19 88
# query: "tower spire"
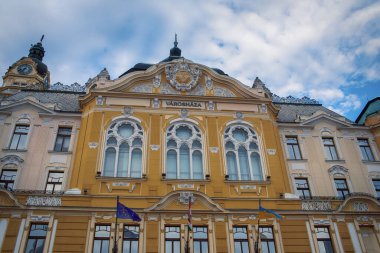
175 52
175 40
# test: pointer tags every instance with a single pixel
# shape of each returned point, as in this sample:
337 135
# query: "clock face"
24 69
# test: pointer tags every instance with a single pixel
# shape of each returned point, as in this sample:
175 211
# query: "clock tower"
29 72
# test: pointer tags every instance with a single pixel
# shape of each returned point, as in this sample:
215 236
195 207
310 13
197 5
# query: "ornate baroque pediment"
182 76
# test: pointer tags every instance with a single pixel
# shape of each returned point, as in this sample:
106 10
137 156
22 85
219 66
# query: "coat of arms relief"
182 76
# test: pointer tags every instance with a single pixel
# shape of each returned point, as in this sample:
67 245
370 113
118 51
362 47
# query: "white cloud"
297 48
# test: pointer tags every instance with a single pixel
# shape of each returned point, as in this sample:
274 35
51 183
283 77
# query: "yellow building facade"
163 135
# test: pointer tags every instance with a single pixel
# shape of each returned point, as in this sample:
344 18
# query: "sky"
327 50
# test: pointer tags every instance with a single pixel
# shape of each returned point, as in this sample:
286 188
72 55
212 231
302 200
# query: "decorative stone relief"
43 201
76 87
214 150
167 89
362 218
239 115
154 147
321 222
185 186
271 151
211 106
337 169
157 81
40 218
92 145
264 108
185 196
11 159
99 100
248 187
121 184
127 111
198 91
143 88
208 82
152 217
182 76
184 113
360 207
156 103
311 205
222 92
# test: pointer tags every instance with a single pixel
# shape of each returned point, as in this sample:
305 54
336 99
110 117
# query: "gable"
29 104
180 78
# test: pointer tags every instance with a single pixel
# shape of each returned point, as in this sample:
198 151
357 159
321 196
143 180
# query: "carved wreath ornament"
182 76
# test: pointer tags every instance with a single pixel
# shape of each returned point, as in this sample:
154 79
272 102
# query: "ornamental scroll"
182 76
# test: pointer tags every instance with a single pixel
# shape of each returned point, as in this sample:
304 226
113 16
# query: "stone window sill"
14 150
371 162
297 160
60 152
335 161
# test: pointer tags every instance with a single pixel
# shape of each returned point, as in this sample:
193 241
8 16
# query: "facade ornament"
211 106
293 100
360 207
321 222
40 218
200 90
311 205
92 145
11 159
214 150
184 113
185 186
222 92
362 218
263 108
43 201
99 100
154 147
182 76
127 111
167 89
157 81
239 115
271 151
75 87
337 169
156 103
185 196
143 88
208 82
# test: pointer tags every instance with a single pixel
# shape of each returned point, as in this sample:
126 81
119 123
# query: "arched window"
242 153
123 151
184 152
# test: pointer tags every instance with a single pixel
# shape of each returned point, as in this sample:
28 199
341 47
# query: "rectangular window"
36 238
365 149
54 182
7 178
302 186
101 239
200 239
131 239
324 240
267 240
330 150
62 142
376 184
341 187
293 148
172 240
19 137
240 240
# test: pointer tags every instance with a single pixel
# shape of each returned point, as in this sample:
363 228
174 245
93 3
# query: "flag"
263 210
124 212
189 225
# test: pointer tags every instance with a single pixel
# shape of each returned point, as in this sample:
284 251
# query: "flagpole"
114 250
187 246
258 230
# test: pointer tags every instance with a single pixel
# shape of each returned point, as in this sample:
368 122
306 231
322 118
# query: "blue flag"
262 209
124 212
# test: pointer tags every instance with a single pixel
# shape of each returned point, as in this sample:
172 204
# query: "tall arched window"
184 152
123 152
242 153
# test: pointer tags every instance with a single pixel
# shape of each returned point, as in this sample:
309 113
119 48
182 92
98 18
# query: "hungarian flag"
189 225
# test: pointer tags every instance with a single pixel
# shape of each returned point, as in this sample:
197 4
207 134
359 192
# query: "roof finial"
43 35
175 40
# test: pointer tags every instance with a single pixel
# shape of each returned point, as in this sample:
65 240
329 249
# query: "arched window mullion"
250 164
129 161
237 163
116 161
191 163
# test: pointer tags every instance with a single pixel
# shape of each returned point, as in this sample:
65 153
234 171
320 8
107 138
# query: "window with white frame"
242 153
302 187
241 244
101 238
54 182
267 239
184 152
19 138
131 239
62 142
341 187
123 150
200 239
172 239
330 149
293 148
324 239
365 149
376 185
7 178
36 238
